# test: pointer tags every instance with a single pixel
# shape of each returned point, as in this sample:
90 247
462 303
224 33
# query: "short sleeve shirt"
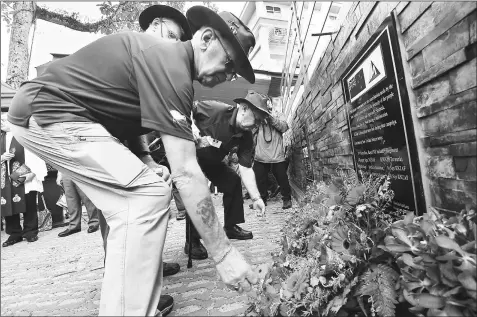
217 120
131 83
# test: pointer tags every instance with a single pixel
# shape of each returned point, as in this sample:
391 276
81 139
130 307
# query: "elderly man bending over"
140 84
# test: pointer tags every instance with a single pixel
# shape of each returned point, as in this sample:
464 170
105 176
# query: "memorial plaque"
379 118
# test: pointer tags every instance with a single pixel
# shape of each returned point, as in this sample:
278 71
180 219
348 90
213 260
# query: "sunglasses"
229 63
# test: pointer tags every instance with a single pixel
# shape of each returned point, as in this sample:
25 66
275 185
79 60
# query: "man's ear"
206 38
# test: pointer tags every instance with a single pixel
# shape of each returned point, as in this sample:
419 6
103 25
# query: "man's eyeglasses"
229 63
170 35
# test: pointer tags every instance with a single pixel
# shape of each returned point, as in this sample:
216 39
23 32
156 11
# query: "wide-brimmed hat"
232 29
162 11
257 100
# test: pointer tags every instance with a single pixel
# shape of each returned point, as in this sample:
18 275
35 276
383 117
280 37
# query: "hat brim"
163 11
239 100
199 16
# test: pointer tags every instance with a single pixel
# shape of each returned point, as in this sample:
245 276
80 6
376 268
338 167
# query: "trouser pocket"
96 138
102 155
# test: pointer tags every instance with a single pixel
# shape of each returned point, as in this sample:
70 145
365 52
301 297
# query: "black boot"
235 232
287 204
198 251
11 241
166 302
170 268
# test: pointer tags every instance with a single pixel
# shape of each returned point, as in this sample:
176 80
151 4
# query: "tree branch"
70 21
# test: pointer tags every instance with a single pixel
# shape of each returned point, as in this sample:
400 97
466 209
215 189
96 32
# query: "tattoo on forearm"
205 208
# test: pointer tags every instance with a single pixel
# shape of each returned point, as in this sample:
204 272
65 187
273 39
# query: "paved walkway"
62 276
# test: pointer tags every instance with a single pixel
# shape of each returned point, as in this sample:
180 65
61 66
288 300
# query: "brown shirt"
131 83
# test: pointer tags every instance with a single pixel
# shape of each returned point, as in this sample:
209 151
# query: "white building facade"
281 27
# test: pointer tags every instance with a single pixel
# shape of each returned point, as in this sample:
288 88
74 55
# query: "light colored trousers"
134 201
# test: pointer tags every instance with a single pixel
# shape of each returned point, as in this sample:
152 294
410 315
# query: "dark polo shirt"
131 83
217 120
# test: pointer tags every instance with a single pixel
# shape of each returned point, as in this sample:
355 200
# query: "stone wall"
438 48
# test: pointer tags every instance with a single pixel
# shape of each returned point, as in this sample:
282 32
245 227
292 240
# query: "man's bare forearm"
195 194
248 179
192 186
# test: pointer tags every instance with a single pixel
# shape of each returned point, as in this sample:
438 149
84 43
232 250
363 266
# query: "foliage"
7 12
330 263
346 252
437 257
117 16
378 283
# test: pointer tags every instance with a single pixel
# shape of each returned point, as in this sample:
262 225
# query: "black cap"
162 11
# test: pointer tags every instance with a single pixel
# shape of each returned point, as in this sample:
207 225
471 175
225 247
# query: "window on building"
335 9
273 10
280 31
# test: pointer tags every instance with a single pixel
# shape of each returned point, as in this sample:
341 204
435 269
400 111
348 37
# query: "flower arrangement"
330 262
347 252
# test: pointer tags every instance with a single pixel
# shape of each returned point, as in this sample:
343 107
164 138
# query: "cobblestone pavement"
62 276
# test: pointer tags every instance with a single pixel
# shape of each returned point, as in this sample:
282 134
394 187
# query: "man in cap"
140 84
167 23
224 127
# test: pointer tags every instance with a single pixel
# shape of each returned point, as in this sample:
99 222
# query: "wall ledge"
451 19
461 56
448 102
450 138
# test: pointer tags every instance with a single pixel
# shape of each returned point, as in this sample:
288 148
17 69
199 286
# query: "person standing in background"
19 191
74 197
270 155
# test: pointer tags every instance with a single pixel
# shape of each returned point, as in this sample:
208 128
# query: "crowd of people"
118 120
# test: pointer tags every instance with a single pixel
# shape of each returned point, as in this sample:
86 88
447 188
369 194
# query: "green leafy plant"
330 263
379 284
347 252
436 254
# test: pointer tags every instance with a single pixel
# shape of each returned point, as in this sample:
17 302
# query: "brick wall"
438 47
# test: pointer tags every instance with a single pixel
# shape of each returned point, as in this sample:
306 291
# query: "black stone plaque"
379 118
